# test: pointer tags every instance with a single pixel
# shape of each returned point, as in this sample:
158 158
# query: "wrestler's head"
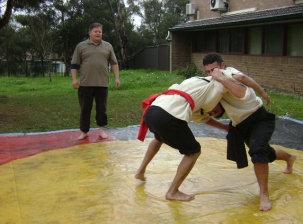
212 61
217 112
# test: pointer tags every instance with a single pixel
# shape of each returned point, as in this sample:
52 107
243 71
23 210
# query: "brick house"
261 38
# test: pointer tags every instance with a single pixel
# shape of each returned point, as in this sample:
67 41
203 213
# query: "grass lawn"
39 105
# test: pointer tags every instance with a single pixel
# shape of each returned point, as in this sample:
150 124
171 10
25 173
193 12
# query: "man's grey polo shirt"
94 60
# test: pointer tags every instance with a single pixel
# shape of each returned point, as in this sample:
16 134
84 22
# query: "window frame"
245 31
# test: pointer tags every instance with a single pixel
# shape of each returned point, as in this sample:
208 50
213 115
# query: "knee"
259 158
196 155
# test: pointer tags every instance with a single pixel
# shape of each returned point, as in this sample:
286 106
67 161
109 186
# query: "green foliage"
159 16
188 71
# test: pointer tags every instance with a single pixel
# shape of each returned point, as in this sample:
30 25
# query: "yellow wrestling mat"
94 183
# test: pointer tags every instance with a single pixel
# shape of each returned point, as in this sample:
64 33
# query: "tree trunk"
7 14
123 36
42 65
120 33
66 62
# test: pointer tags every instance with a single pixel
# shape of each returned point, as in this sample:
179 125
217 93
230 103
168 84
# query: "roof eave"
239 23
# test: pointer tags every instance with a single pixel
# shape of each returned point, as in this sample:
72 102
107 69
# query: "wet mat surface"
94 183
23 145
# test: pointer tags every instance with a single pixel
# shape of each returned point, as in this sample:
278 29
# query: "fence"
34 68
156 58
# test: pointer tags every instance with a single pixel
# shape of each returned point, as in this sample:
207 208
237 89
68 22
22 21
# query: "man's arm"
236 89
250 82
75 82
115 69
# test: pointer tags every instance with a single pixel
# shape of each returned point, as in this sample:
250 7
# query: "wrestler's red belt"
148 101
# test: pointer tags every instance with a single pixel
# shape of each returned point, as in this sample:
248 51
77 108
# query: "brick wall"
275 73
203 6
180 50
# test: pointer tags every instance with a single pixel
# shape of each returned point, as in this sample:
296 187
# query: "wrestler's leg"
152 150
183 170
261 171
288 158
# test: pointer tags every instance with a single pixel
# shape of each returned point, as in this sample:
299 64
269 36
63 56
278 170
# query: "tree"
23 50
59 25
17 5
157 17
41 28
71 29
6 43
120 30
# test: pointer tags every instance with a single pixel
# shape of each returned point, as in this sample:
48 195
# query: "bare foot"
140 176
289 164
265 204
103 133
82 136
179 196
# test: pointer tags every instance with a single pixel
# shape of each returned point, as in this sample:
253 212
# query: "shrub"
189 71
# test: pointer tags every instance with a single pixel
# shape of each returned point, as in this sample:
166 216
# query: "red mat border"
18 146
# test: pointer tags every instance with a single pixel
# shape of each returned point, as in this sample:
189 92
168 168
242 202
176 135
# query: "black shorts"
257 130
171 130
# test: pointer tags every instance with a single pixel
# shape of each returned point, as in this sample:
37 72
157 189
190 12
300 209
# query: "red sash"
148 101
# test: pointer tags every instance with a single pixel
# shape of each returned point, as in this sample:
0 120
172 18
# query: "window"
273 36
199 42
236 39
223 41
204 41
210 41
277 39
254 40
230 41
295 40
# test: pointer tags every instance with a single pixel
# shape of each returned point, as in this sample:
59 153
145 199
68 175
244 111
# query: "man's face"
210 67
95 35
217 112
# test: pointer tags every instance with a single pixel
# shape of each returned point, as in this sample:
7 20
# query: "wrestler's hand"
265 97
217 75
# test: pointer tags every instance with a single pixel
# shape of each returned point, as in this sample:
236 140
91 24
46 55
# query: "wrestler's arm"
250 82
217 124
236 89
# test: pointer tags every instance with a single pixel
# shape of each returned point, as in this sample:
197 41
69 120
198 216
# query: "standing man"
250 123
167 116
93 57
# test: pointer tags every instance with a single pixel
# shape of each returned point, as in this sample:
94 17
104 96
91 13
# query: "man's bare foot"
289 164
140 176
179 196
82 136
103 133
265 204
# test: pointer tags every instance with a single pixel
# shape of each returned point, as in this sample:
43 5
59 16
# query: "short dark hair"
223 111
211 58
94 25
